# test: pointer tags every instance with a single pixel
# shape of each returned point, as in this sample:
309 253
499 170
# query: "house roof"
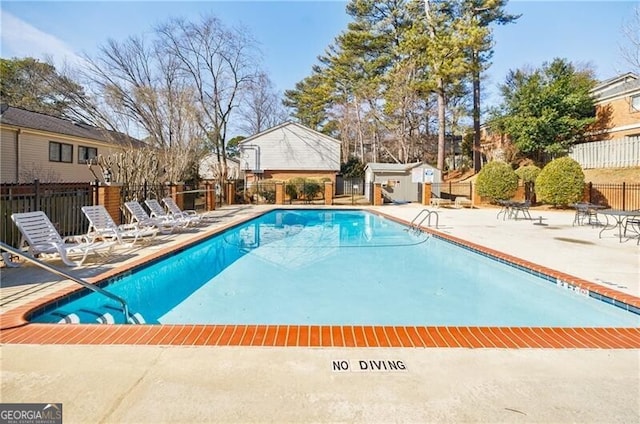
616 86
291 147
259 135
23 118
394 167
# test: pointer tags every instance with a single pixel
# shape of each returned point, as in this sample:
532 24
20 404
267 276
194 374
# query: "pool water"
346 267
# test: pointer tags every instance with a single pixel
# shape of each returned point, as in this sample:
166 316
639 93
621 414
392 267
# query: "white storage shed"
401 182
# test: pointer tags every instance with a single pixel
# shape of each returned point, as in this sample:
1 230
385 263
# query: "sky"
292 34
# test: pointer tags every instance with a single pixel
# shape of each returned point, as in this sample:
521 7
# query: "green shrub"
497 181
291 190
528 173
560 182
311 189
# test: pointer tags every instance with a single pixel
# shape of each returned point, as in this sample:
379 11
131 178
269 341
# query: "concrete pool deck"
258 384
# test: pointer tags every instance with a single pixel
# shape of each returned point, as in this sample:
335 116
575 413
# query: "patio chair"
634 223
42 238
102 225
585 212
188 214
517 207
157 211
140 216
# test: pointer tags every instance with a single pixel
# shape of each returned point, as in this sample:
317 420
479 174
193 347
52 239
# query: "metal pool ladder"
425 214
54 270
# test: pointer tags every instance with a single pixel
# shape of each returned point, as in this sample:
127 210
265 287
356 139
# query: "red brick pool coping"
14 329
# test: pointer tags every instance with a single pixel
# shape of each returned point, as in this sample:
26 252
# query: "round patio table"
618 217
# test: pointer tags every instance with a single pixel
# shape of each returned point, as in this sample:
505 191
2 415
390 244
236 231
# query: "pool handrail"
414 225
57 271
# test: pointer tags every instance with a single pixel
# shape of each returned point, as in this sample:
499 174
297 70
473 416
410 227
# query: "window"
635 104
86 154
60 152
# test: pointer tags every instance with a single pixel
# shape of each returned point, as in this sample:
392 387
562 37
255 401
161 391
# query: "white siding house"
290 150
210 169
51 149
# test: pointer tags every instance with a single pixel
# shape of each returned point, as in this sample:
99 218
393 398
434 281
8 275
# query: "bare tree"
261 107
631 50
141 89
219 64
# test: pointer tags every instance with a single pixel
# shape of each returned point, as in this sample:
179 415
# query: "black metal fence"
62 202
617 196
257 193
349 186
141 192
306 192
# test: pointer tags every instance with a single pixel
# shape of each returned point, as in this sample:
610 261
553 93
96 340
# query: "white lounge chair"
42 238
102 225
140 216
157 211
174 210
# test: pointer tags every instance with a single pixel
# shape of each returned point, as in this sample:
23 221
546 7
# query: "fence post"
230 192
96 198
109 197
377 194
36 206
209 197
328 193
279 193
590 191
476 199
145 191
624 186
426 193
176 193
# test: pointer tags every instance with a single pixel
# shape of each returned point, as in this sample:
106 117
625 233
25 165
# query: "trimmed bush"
560 182
311 189
497 181
528 173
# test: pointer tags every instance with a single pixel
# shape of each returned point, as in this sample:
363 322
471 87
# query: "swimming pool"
327 267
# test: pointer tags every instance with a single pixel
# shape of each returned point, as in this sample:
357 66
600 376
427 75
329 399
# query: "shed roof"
256 137
394 167
23 118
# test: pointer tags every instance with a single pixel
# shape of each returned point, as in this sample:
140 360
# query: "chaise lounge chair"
158 212
140 216
42 238
103 226
175 211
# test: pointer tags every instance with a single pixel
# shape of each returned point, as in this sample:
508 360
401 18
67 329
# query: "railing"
308 192
62 202
425 214
258 193
54 270
618 196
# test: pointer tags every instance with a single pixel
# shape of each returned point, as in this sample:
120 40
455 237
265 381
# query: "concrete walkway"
123 384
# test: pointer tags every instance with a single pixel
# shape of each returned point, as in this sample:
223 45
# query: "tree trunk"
477 154
441 124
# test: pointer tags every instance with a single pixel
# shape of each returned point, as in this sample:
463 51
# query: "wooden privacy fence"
62 202
450 190
617 153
